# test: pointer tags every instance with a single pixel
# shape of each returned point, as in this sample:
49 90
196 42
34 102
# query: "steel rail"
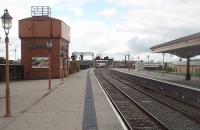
162 125
159 100
115 105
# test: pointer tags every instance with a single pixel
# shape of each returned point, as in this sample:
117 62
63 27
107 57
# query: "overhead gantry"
185 47
81 54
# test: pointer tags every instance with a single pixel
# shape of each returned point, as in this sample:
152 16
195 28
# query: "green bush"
168 69
196 74
71 70
74 67
77 68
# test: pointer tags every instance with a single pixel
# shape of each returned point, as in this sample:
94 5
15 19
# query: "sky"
112 27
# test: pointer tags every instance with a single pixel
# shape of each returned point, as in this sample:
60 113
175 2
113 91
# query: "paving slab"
35 108
24 94
61 109
107 119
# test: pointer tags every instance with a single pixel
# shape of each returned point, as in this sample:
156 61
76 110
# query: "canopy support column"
187 76
163 67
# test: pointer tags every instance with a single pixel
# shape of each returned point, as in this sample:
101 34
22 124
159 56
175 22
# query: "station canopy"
185 47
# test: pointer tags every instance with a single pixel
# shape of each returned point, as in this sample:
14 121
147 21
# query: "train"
100 65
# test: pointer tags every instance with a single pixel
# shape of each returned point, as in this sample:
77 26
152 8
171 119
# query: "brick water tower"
34 33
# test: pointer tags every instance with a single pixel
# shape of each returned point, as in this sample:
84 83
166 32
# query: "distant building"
145 66
105 62
2 60
180 67
138 66
15 69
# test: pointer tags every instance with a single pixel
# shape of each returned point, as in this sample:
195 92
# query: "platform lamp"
132 64
7 24
148 63
138 63
62 67
49 46
128 62
163 69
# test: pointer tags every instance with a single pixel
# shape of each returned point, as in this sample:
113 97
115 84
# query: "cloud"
139 24
151 24
108 12
76 11
138 45
21 9
94 36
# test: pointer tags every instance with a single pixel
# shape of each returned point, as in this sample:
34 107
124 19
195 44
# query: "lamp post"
7 24
125 61
163 64
49 46
148 63
138 63
62 67
132 64
128 62
15 54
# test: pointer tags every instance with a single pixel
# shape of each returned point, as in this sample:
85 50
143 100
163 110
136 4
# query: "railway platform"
77 103
172 78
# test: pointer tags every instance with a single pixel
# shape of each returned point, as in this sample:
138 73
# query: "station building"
140 66
106 62
34 33
180 67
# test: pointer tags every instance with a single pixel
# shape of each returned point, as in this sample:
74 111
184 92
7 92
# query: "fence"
16 72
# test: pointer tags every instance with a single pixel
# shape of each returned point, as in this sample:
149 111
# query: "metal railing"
40 11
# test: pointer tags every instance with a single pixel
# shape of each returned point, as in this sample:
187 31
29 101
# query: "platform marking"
115 111
89 117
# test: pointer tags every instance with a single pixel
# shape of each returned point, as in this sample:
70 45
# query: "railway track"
191 112
133 114
170 116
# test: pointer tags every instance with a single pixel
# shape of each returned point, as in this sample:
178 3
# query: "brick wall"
34 33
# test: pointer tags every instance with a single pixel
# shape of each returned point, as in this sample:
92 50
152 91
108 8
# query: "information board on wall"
40 62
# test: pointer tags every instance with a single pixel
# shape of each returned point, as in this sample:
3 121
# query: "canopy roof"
184 47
